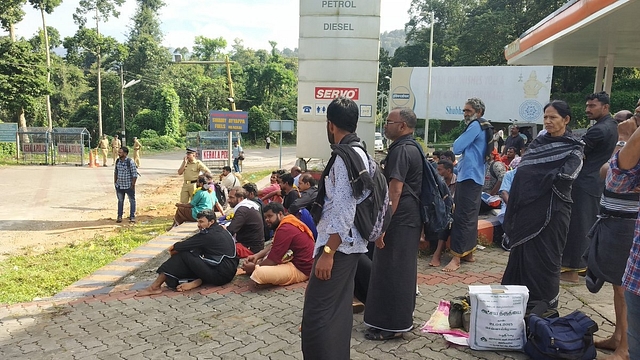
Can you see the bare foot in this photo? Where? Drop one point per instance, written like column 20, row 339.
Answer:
column 453, row 265
column 150, row 291
column 190, row 285
column 607, row 344
column 468, row 258
column 435, row 261
column 570, row 276
column 619, row 355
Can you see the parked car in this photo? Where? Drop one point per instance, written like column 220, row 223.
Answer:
column 378, row 144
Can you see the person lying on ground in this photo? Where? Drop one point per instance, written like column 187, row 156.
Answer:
column 208, row 257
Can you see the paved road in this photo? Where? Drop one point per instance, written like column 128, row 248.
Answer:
column 238, row 321
column 45, row 198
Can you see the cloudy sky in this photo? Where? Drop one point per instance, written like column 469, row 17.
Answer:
column 254, row 21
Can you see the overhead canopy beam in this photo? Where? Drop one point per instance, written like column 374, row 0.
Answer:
column 582, row 33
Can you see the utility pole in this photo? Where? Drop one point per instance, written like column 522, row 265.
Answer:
column 426, row 120
column 99, row 79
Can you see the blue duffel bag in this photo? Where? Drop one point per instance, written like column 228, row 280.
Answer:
column 569, row 337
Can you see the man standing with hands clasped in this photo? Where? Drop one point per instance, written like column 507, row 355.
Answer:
column 327, row 316
column 191, row 169
column 125, row 175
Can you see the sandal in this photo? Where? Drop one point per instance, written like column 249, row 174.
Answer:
column 381, row 335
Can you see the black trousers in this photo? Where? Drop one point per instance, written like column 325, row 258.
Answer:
column 327, row 317
column 188, row 266
column 464, row 230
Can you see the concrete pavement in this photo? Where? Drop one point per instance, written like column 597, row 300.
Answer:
column 240, row 321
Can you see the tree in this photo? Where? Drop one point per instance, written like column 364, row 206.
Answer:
column 208, row 49
column 147, row 57
column 103, row 10
column 46, row 6
column 167, row 104
column 11, row 13
column 23, row 78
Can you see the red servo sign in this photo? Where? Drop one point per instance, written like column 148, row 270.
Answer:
column 330, row 93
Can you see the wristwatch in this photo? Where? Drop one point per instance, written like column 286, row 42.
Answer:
column 328, row 251
column 621, row 143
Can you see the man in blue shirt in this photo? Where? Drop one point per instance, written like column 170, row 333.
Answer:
column 472, row 146
column 125, row 175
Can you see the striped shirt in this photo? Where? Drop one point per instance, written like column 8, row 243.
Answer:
column 623, row 181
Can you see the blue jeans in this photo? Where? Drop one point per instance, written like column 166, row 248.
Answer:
column 236, row 166
column 131, row 193
column 633, row 318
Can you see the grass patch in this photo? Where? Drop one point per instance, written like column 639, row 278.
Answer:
column 26, row 277
column 255, row 176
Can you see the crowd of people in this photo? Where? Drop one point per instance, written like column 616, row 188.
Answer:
column 568, row 205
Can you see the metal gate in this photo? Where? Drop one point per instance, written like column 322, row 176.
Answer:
column 70, row 145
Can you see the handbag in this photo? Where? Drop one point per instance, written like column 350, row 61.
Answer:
column 568, row 337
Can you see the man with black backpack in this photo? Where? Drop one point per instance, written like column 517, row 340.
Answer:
column 391, row 297
column 474, row 146
column 327, row 316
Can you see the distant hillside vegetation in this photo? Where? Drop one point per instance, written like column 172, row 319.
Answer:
column 391, row 40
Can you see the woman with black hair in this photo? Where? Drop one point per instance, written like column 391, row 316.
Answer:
column 537, row 218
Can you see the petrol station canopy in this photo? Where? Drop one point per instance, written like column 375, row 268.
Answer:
column 582, row 33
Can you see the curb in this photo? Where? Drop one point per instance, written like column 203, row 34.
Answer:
column 101, row 280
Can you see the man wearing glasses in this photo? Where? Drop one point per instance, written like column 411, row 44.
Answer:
column 471, row 170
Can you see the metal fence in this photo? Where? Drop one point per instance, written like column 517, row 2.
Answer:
column 38, row 145
column 70, row 145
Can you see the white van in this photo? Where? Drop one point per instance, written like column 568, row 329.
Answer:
column 378, row 144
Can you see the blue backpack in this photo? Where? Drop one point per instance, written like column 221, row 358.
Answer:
column 435, row 201
column 567, row 337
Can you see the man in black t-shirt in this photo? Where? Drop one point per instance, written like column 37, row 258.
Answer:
column 392, row 287
column 514, row 140
column 289, row 192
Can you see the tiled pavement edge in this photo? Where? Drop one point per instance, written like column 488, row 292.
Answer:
column 100, row 281
column 239, row 321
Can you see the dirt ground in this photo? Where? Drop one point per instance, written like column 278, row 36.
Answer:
column 159, row 198
column 44, row 207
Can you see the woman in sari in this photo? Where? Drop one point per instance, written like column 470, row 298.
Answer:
column 537, row 218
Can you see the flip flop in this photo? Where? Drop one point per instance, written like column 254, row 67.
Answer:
column 381, row 335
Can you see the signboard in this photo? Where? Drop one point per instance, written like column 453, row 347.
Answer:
column 509, row 92
column 34, row 148
column 214, row 155
column 70, row 148
column 281, row 125
column 338, row 51
column 8, row 132
column 237, row 121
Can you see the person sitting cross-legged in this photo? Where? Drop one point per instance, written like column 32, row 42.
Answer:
column 201, row 200
column 207, row 257
column 289, row 258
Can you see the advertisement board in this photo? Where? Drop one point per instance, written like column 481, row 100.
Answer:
column 509, row 92
column 237, row 121
column 339, row 45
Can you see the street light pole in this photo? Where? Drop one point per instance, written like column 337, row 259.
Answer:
column 122, row 87
column 122, row 128
column 426, row 120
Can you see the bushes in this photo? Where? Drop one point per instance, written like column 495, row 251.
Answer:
column 163, row 142
column 7, row 150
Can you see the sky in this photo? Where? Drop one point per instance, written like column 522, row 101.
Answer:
column 254, row 21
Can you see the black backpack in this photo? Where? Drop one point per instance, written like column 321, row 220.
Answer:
column 220, row 194
column 435, row 201
column 372, row 214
